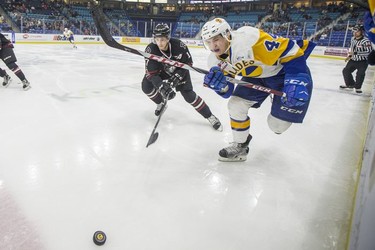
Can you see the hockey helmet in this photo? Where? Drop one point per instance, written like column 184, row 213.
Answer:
column 358, row 27
column 161, row 30
column 217, row 26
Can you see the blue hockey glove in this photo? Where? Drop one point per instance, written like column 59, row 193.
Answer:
column 166, row 90
column 216, row 80
column 369, row 25
column 295, row 88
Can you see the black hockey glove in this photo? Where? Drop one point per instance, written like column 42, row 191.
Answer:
column 176, row 80
column 166, row 90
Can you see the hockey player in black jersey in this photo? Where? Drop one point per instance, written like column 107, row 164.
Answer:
column 9, row 58
column 162, row 80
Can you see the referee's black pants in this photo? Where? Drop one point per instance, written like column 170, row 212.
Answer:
column 350, row 67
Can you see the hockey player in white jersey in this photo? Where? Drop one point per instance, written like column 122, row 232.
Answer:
column 263, row 59
column 68, row 34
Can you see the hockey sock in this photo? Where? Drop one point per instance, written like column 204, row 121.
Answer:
column 17, row 71
column 201, row 107
column 155, row 96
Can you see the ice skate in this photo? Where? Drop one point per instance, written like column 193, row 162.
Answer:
column 26, row 85
column 235, row 152
column 358, row 91
column 216, row 124
column 158, row 110
column 6, row 80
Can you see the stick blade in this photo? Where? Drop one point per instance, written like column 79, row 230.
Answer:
column 152, row 139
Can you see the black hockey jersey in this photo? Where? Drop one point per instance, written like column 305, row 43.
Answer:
column 4, row 42
column 177, row 51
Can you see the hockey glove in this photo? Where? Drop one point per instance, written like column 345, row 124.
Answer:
column 166, row 90
column 216, row 80
column 175, row 80
column 295, row 88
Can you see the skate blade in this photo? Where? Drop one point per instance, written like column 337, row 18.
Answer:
column 347, row 89
column 237, row 159
column 27, row 88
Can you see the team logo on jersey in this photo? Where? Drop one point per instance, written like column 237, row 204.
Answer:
column 244, row 68
column 182, row 45
column 178, row 56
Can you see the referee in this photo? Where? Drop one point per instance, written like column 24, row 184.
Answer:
column 360, row 48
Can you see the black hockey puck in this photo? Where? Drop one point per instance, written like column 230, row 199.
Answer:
column 99, row 238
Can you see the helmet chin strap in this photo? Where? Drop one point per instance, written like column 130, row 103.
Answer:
column 229, row 43
column 225, row 52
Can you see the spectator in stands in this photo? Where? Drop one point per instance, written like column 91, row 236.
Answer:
column 360, row 48
column 8, row 57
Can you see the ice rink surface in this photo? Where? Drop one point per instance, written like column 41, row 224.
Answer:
column 73, row 161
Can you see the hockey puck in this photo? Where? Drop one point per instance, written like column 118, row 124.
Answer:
column 99, row 238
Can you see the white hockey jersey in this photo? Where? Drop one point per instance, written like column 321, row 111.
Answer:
column 255, row 53
column 68, row 33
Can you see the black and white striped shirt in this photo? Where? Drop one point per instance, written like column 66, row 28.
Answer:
column 360, row 49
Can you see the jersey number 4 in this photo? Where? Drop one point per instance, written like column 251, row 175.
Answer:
column 271, row 45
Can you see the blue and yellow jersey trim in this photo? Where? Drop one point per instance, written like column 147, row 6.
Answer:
column 371, row 4
column 255, row 53
column 240, row 125
column 306, row 46
column 269, row 49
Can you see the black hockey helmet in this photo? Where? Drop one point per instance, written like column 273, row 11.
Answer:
column 358, row 27
column 161, row 30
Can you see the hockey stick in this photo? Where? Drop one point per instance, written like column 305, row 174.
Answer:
column 154, row 135
column 100, row 23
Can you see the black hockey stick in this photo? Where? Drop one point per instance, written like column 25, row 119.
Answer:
column 100, row 23
column 154, row 135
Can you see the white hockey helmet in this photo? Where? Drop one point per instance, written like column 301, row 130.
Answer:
column 217, row 26
column 66, row 29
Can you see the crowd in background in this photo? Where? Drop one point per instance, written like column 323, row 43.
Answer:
column 31, row 16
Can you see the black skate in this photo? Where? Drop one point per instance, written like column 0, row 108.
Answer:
column 236, row 152
column 216, row 124
column 26, row 85
column 6, row 80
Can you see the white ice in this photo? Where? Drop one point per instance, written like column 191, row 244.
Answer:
column 73, row 161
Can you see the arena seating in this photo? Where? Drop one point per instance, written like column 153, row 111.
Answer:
column 296, row 23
